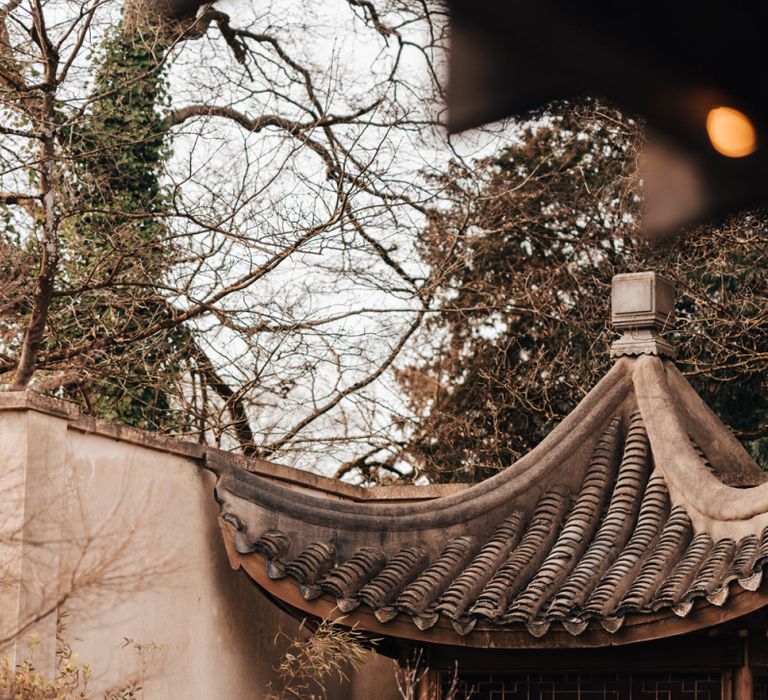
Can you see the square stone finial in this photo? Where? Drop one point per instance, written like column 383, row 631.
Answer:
column 642, row 306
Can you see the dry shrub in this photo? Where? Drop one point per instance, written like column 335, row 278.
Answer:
column 330, row 653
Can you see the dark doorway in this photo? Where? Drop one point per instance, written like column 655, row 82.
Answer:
column 579, row 685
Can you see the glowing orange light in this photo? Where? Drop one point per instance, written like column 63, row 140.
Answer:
column 731, row 132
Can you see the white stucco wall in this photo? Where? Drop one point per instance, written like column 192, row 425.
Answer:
column 124, row 536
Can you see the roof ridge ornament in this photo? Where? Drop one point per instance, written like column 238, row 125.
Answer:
column 642, row 308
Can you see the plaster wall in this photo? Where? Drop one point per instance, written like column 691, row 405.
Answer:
column 120, row 540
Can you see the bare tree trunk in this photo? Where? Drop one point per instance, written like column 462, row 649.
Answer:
column 33, row 337
column 232, row 400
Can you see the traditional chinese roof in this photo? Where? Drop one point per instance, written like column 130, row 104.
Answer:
column 639, row 516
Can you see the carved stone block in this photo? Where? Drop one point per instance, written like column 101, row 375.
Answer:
column 642, row 306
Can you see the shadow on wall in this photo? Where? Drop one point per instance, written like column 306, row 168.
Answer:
column 110, row 554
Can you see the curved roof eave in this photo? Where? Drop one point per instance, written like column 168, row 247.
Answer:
column 619, row 526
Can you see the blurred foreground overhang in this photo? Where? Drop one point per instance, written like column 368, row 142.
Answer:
column 676, row 65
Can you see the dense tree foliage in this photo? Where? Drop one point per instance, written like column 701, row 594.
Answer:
column 116, row 245
column 526, row 252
